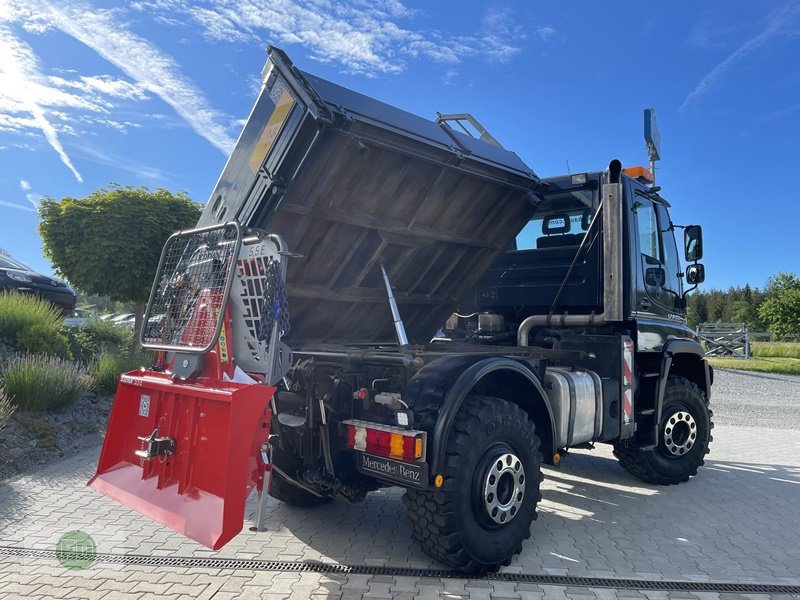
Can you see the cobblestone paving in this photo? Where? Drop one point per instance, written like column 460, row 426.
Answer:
column 736, row 522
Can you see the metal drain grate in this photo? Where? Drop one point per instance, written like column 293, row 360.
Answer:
column 337, row 569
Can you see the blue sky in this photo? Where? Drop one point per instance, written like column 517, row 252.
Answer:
column 154, row 92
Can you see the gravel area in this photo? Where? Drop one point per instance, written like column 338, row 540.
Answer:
column 30, row 440
column 756, row 399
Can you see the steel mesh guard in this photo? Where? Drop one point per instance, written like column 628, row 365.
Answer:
column 190, row 290
column 259, row 281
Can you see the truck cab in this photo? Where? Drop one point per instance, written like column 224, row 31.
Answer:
column 555, row 265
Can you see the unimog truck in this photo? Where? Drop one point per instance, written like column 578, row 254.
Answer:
column 372, row 299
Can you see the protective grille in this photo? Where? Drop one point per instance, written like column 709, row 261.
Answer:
column 190, row 289
column 258, row 283
column 339, row 569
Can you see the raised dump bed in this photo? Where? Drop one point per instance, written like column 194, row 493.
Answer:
column 349, row 181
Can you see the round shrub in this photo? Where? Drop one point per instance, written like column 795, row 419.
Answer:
column 44, row 383
column 108, row 367
column 43, row 338
column 97, row 336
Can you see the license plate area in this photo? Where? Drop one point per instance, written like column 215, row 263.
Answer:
column 413, row 475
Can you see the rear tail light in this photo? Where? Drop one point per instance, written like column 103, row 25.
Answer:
column 384, row 440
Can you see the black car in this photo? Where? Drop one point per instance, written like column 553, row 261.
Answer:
column 18, row 277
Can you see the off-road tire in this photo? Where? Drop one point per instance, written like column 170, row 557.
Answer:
column 283, row 490
column 659, row 465
column 452, row 523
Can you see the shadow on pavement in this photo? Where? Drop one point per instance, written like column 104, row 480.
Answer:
column 597, row 520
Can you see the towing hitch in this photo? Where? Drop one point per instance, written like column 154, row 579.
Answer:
column 153, row 446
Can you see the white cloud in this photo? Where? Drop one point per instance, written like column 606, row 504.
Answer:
column 364, row 36
column 102, row 84
column 34, row 198
column 779, row 113
column 31, row 196
column 20, row 84
column 108, row 159
column 782, row 22
column 140, row 60
column 17, row 206
column 545, row 32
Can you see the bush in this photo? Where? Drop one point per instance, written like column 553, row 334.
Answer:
column 6, row 408
column 96, row 337
column 43, row 383
column 43, row 338
column 18, row 311
column 109, row 367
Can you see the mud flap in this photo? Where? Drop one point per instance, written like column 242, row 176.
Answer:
column 198, row 450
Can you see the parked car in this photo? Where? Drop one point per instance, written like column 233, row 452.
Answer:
column 79, row 317
column 18, row 277
column 124, row 320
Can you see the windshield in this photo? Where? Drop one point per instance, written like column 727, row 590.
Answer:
column 6, row 262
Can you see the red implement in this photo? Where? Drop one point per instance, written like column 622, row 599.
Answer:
column 195, row 473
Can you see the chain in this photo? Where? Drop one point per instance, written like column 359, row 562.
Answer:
column 275, row 308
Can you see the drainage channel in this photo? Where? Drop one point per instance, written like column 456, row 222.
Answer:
column 344, row 570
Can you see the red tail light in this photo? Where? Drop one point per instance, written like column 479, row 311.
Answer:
column 385, row 440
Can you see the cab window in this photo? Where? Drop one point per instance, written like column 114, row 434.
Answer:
column 562, row 221
column 659, row 254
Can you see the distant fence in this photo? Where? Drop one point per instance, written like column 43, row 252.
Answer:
column 729, row 339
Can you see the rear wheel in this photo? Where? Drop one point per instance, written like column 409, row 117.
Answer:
column 482, row 513
column 684, row 434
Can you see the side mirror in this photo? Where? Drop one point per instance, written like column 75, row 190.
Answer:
column 695, row 274
column 692, row 243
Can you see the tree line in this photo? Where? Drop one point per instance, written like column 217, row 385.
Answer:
column 776, row 308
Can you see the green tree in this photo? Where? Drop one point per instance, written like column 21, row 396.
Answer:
column 781, row 309
column 696, row 309
column 110, row 242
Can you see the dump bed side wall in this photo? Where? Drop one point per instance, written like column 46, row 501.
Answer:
column 349, row 181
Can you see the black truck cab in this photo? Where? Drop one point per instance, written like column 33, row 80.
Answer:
column 555, row 264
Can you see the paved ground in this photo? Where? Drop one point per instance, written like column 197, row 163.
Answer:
column 735, row 522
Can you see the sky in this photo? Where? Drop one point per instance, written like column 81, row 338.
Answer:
column 155, row 92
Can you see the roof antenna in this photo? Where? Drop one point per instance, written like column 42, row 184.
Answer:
column 568, row 171
column 652, row 140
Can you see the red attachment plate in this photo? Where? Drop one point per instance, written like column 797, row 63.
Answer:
column 218, row 428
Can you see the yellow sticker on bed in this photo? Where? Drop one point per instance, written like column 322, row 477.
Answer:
column 276, row 120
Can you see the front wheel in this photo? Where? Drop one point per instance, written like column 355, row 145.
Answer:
column 684, row 434
column 477, row 520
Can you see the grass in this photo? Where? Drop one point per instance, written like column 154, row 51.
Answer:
column 6, row 408
column 787, row 366
column 20, row 311
column 44, row 383
column 775, row 350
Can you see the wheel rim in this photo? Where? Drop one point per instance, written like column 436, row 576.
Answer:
column 504, row 488
column 680, row 433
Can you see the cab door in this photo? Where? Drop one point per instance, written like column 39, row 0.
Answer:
column 658, row 270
